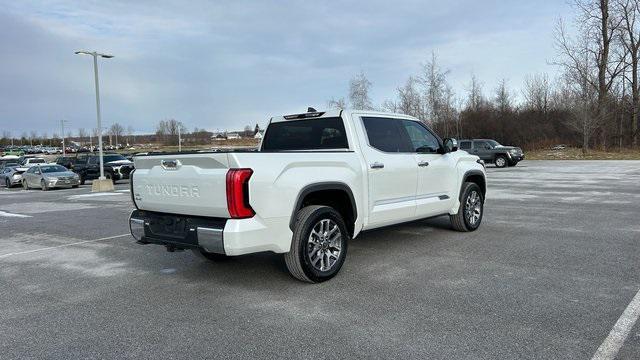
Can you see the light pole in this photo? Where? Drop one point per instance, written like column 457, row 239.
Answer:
column 64, row 149
column 95, row 72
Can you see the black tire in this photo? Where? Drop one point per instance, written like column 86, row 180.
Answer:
column 109, row 176
column 7, row 183
column 82, row 179
column 462, row 221
column 298, row 259
column 209, row 256
column 501, row 161
column 74, row 186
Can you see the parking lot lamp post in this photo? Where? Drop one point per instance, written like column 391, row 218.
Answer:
column 64, row 150
column 95, row 72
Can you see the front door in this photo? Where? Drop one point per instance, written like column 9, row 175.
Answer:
column 482, row 149
column 437, row 175
column 392, row 172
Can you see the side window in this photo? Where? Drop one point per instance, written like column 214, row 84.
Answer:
column 481, row 145
column 93, row 160
column 31, row 170
column 422, row 140
column 384, row 134
column 465, row 145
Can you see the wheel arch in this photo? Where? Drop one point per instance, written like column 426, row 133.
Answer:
column 338, row 195
column 477, row 177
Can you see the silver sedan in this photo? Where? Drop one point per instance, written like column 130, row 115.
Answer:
column 47, row 176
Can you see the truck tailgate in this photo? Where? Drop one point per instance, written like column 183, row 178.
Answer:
column 189, row 184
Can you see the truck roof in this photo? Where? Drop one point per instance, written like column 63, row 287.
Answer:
column 335, row 113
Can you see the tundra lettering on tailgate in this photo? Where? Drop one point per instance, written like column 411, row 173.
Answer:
column 189, row 191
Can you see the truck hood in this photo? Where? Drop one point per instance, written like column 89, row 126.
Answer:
column 119, row 162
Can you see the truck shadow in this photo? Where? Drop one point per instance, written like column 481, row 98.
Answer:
column 268, row 270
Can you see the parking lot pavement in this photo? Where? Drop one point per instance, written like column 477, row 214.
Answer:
column 554, row 266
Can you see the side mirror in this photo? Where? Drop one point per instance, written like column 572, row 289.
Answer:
column 450, row 145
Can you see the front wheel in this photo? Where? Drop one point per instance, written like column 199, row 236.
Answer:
column 7, row 183
column 501, row 161
column 471, row 208
column 319, row 244
column 43, row 185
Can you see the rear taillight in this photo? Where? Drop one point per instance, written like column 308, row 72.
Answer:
column 238, row 193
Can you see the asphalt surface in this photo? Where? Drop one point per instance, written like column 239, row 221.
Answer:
column 552, row 268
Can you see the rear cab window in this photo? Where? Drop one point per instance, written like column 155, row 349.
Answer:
column 465, row 145
column 308, row 134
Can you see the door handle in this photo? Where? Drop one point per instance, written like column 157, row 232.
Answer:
column 423, row 163
column 377, row 165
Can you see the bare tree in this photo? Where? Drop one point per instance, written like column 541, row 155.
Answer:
column 339, row 103
column 167, row 131
column 434, row 83
column 629, row 11
column 116, row 130
column 82, row 135
column 537, row 93
column 588, row 58
column 503, row 100
column 409, row 99
column 359, row 87
column 475, row 98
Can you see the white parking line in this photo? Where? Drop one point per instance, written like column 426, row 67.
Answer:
column 65, row 245
column 612, row 344
column 7, row 214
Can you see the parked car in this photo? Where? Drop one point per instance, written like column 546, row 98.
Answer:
column 11, row 175
column 492, row 152
column 31, row 161
column 66, row 161
column 116, row 167
column 9, row 160
column 49, row 176
column 317, row 181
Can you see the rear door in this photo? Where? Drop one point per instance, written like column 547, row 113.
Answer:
column 392, row 172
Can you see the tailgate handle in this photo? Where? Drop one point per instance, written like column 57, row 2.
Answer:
column 170, row 164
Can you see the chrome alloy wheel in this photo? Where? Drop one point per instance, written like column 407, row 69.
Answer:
column 473, row 208
column 324, row 245
column 501, row 162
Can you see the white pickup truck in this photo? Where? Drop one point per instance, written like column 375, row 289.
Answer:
column 317, row 180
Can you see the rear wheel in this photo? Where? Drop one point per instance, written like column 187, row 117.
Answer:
column 471, row 208
column 319, row 244
column 501, row 161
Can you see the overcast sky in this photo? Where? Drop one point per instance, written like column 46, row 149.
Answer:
column 227, row 64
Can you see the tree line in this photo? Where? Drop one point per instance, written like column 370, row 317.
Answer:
column 593, row 102
column 114, row 134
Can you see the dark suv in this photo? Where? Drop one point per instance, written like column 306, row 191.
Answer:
column 116, row 167
column 492, row 152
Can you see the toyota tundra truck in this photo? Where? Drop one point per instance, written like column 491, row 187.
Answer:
column 317, row 180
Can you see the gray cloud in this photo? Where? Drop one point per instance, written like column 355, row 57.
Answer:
column 224, row 65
